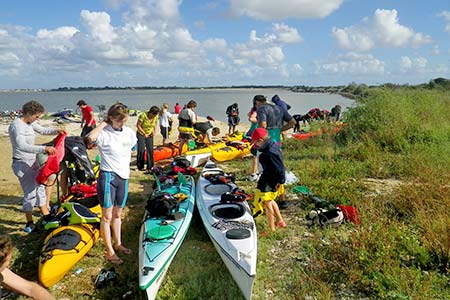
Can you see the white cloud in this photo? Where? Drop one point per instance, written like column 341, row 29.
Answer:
column 286, row 34
column 351, row 64
column 446, row 15
column 405, row 62
column 150, row 38
column 383, row 29
column 282, row 9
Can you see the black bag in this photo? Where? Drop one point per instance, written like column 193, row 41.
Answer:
column 181, row 162
column 161, row 205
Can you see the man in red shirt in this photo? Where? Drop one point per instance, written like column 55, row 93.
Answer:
column 88, row 118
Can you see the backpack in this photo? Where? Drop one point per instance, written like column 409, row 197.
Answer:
column 325, row 217
column 162, row 205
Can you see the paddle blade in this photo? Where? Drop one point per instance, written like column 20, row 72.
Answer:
column 181, row 179
column 158, row 183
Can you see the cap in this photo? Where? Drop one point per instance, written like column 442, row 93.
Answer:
column 81, row 102
column 210, row 118
column 259, row 133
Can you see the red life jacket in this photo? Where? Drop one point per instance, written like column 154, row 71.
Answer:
column 53, row 161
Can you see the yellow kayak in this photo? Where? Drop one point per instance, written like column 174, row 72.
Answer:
column 64, row 247
column 231, row 151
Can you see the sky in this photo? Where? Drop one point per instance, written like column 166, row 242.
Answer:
column 73, row 43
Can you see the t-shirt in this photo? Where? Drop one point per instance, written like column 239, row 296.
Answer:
column 274, row 116
column 22, row 137
column 186, row 117
column 87, row 116
column 147, row 124
column 164, row 119
column 115, row 150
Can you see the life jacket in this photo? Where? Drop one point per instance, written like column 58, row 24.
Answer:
column 52, row 165
column 72, row 213
column 184, row 119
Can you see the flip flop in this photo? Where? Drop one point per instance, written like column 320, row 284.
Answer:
column 115, row 260
column 124, row 250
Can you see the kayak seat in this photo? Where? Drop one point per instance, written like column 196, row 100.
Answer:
column 218, row 189
column 227, row 211
column 161, row 233
column 238, row 234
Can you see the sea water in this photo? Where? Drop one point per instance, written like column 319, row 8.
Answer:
column 210, row 102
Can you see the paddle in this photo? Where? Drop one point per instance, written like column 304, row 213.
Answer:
column 304, row 190
column 181, row 179
column 158, row 183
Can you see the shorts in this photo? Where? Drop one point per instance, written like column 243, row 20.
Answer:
column 261, row 197
column 33, row 193
column 112, row 190
column 233, row 120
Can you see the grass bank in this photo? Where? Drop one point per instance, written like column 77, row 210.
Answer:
column 391, row 161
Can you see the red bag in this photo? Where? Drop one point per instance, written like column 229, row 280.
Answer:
column 350, row 213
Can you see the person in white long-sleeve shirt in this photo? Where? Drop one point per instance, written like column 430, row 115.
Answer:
column 22, row 133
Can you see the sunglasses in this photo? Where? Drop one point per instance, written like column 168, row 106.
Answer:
column 121, row 107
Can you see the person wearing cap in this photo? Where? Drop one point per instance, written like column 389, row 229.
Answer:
column 271, row 181
column 276, row 120
column 87, row 119
column 22, row 134
column 207, row 131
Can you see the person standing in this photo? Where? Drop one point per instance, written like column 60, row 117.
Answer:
column 275, row 120
column 177, row 108
column 88, row 117
column 22, row 136
column 252, row 118
column 165, row 122
column 186, row 121
column 233, row 117
column 335, row 114
column 271, row 180
column 146, row 125
column 14, row 282
column 114, row 141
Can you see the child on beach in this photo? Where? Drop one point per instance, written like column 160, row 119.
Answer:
column 114, row 141
column 270, row 183
column 22, row 135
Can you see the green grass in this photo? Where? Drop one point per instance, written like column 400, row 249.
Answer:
column 391, row 161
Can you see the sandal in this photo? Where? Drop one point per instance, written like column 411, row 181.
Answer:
column 282, row 224
column 115, row 260
column 123, row 250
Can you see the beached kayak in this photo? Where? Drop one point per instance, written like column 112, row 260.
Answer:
column 230, row 226
column 64, row 247
column 161, row 236
column 231, row 151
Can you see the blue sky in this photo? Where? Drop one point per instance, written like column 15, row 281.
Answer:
column 51, row 43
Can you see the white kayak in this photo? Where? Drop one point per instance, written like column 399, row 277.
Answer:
column 160, row 238
column 231, row 228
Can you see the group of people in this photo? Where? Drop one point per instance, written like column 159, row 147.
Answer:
column 318, row 114
column 115, row 141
